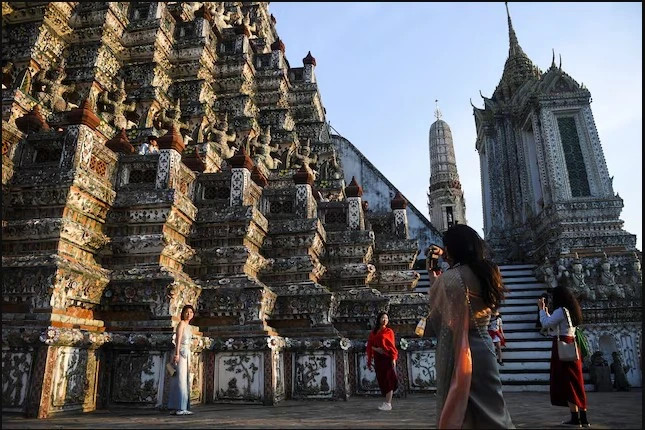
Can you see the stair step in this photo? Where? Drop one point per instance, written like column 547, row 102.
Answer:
column 520, row 301
column 533, row 294
column 541, row 354
column 526, row 308
column 524, row 335
column 513, row 344
column 517, row 266
column 525, row 366
column 509, row 317
column 513, row 273
column 530, row 326
column 524, row 286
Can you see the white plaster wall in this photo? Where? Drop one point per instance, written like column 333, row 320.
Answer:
column 379, row 192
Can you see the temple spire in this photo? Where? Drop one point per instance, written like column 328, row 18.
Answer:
column 437, row 112
column 514, row 46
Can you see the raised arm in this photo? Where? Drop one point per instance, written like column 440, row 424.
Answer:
column 553, row 320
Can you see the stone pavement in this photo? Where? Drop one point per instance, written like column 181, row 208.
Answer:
column 529, row 410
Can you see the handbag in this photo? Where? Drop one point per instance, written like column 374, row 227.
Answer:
column 567, row 351
column 171, row 369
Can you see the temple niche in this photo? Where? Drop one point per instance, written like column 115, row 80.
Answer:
column 157, row 154
column 548, row 199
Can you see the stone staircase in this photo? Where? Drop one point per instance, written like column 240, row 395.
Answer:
column 527, row 353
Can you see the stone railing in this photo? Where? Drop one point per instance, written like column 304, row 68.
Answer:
column 612, row 311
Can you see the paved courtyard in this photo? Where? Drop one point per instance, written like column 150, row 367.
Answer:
column 529, row 410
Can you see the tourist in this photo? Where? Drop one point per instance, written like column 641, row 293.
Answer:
column 151, row 147
column 469, row 389
column 496, row 332
column 179, row 398
column 567, row 383
column 381, row 350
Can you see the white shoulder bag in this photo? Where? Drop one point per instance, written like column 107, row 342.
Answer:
column 567, row 351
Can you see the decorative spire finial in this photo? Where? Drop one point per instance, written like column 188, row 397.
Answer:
column 437, row 112
column 560, row 67
column 514, row 46
column 553, row 58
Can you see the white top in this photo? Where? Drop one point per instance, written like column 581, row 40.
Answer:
column 495, row 324
column 557, row 319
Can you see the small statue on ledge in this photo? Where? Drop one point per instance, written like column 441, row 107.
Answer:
column 219, row 135
column 50, row 91
column 117, row 118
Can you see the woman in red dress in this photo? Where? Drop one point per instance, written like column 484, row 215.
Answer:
column 567, row 382
column 381, row 350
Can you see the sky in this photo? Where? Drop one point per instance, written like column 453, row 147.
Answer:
column 380, row 67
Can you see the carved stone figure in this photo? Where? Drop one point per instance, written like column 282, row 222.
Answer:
column 303, row 157
column 263, row 150
column 165, row 121
column 546, row 274
column 637, row 277
column 119, row 108
column 578, row 285
column 224, row 141
column 50, row 91
column 330, row 168
column 617, row 368
column 608, row 287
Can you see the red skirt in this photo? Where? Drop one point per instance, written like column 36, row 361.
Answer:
column 567, row 383
column 385, row 373
column 494, row 333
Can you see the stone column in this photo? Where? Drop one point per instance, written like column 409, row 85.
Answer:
column 355, row 216
column 305, row 203
column 241, row 166
column 171, row 145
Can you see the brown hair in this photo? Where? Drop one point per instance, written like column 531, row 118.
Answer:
column 465, row 246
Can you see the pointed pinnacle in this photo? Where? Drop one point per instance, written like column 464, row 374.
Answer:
column 514, row 46
column 553, row 58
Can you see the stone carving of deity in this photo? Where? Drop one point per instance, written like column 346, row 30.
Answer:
column 119, row 108
column 172, row 118
column 608, row 287
column 263, row 151
column 330, row 168
column 303, row 157
column 220, row 136
column 545, row 274
column 578, row 285
column 50, row 91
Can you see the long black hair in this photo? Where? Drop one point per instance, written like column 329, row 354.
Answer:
column 564, row 298
column 184, row 311
column 377, row 324
column 465, row 246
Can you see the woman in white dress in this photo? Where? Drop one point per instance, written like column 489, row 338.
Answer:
column 179, row 398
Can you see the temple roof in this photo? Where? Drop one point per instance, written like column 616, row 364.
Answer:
column 518, row 67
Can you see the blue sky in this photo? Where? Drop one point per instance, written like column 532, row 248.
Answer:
column 380, row 66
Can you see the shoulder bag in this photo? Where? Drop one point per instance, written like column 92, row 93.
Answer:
column 567, row 351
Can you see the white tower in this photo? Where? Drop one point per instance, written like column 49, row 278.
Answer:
column 446, row 203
